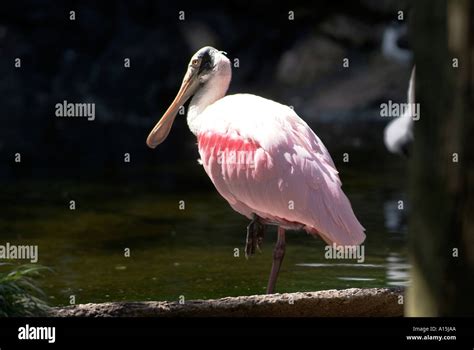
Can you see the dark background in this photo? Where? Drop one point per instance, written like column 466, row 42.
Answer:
column 297, row 63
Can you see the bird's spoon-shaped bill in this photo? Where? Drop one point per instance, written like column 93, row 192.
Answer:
column 163, row 127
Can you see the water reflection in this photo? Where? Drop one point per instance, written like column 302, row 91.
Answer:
column 395, row 215
column 397, row 270
column 340, row 265
column 356, row 279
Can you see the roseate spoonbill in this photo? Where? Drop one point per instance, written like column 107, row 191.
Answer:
column 398, row 134
column 262, row 158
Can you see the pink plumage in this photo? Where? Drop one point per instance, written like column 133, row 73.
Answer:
column 272, row 164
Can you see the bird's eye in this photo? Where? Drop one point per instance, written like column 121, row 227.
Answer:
column 195, row 62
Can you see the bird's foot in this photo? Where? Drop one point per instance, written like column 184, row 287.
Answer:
column 255, row 234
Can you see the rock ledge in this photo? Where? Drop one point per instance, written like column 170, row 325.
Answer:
column 328, row 303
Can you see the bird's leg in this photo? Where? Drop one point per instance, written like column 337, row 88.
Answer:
column 250, row 241
column 255, row 233
column 278, row 254
column 260, row 235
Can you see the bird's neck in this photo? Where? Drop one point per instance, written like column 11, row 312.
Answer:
column 213, row 90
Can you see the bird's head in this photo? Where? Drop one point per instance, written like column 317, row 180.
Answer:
column 205, row 64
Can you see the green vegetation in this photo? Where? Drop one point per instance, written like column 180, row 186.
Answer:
column 19, row 294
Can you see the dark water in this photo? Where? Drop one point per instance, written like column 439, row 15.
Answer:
column 190, row 252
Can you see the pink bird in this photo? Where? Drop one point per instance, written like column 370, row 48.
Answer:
column 262, row 158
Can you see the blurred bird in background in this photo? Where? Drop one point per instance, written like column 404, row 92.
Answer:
column 398, row 134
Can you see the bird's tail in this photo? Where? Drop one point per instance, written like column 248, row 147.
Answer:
column 336, row 222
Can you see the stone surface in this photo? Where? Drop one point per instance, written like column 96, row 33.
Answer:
column 329, row 303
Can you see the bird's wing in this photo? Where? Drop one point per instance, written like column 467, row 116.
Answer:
column 398, row 134
column 264, row 159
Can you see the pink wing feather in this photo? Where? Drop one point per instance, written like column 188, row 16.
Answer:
column 284, row 173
